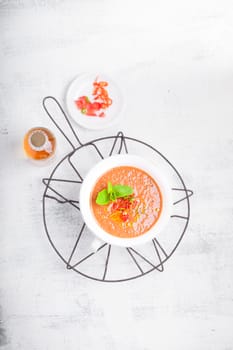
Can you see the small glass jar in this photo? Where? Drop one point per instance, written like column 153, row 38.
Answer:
column 39, row 144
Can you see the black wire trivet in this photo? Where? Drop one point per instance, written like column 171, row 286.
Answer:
column 68, row 234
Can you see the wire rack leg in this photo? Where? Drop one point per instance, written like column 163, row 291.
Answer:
column 68, row 266
column 107, row 261
column 64, row 199
column 120, row 136
column 188, row 194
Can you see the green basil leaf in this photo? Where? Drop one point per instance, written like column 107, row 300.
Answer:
column 111, row 193
column 103, row 197
column 112, row 196
column 109, row 187
column 122, row 190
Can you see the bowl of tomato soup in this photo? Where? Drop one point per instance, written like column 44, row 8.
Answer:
column 125, row 200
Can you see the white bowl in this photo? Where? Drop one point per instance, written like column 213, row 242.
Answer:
column 101, row 168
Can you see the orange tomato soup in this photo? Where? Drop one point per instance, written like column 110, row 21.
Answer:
column 133, row 215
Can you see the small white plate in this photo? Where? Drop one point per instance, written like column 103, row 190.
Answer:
column 83, row 86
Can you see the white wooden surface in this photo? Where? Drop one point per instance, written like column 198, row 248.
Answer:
column 174, row 62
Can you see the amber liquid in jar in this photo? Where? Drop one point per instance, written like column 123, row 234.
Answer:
column 39, row 143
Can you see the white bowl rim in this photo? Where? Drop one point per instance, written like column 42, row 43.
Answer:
column 124, row 160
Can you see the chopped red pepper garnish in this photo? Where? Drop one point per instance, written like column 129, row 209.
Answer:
column 124, row 216
column 101, row 100
column 124, row 210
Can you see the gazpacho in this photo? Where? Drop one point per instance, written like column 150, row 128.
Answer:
column 126, row 201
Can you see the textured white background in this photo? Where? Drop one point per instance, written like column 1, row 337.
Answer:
column 174, row 60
